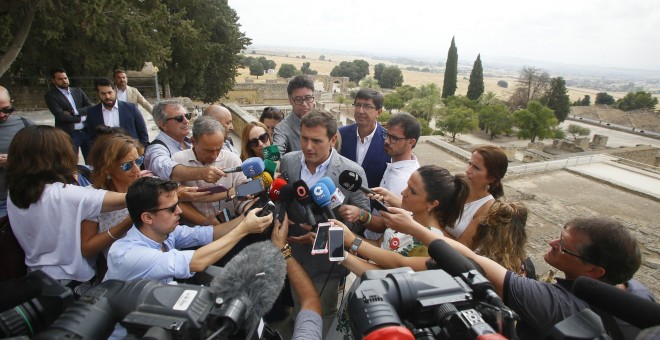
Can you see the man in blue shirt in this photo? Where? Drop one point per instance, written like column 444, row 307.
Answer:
column 150, row 250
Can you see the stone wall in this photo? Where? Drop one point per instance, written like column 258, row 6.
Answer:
column 239, row 117
column 273, row 92
column 645, row 154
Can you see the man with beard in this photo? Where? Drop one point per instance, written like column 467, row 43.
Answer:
column 127, row 93
column 115, row 113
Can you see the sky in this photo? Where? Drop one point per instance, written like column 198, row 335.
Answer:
column 610, row 33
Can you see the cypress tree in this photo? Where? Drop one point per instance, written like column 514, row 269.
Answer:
column 451, row 71
column 557, row 98
column 476, row 87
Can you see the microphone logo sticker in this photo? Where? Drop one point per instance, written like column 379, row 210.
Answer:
column 318, row 192
column 301, row 191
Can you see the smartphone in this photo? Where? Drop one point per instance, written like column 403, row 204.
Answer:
column 214, row 190
column 378, row 205
column 252, row 187
column 267, row 209
column 336, row 243
column 320, row 245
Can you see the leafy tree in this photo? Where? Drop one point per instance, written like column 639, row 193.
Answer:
column 536, row 121
column 428, row 90
column 496, row 119
column 577, row 131
column 345, row 69
column 557, row 98
column 370, row 83
column 342, row 100
column 586, row 101
column 425, row 108
column 391, row 77
column 461, row 101
column 426, row 128
column 321, row 57
column 267, row 64
column 602, row 98
column 458, row 120
column 287, row 71
column 476, row 87
column 502, row 83
column 362, row 68
column 406, row 92
column 393, row 101
column 637, row 100
column 384, row 117
column 488, row 98
column 451, row 71
column 256, row 69
column 306, row 70
column 532, row 84
column 378, row 70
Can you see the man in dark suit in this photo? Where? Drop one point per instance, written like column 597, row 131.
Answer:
column 318, row 158
column 362, row 142
column 69, row 106
column 112, row 112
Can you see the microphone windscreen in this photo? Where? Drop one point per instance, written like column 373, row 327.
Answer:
column 321, row 194
column 270, row 167
column 301, row 191
column 448, row 259
column 286, row 193
column 255, row 276
column 252, row 166
column 328, row 183
column 265, row 178
column 271, row 153
column 274, row 193
column 350, row 180
column 635, row 310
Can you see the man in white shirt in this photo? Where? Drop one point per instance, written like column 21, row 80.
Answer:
column 127, row 93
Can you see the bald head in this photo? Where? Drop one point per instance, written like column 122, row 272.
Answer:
column 4, row 94
column 221, row 114
column 5, row 103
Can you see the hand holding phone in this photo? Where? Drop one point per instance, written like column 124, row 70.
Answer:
column 320, row 245
column 214, row 190
column 336, row 243
column 252, row 187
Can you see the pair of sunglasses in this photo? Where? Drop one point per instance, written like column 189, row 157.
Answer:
column 171, row 208
column 129, row 165
column 179, row 118
column 254, row 142
column 7, row 110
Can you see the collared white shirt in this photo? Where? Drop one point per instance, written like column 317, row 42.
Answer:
column 362, row 148
column 69, row 96
column 111, row 117
column 122, row 95
column 307, row 176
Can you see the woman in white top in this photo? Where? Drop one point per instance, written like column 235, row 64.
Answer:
column 45, row 210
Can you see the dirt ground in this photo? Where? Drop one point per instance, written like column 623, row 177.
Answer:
column 555, row 197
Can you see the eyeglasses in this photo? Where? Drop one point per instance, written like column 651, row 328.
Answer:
column 129, row 165
column 300, row 100
column 393, row 139
column 254, row 142
column 7, row 110
column 566, row 251
column 364, row 106
column 179, row 118
column 171, row 208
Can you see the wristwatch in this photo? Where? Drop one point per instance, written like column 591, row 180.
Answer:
column 356, row 245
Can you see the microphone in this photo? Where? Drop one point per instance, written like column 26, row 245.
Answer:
column 271, row 153
column 321, row 196
column 265, row 178
column 286, row 195
column 631, row 308
column 336, row 196
column 274, row 193
column 301, row 191
column 270, row 167
column 455, row 264
column 250, row 168
column 252, row 281
column 351, row 181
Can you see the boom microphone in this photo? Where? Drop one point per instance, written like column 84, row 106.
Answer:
column 286, row 195
column 635, row 310
column 252, row 280
column 250, row 168
column 336, row 196
column 301, row 191
column 351, row 181
column 265, row 178
column 321, row 196
column 274, row 193
column 270, row 167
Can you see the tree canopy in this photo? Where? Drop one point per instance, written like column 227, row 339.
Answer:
column 536, row 121
column 577, row 131
column 378, row 70
column 355, row 70
column 637, row 100
column 602, row 98
column 458, row 120
column 391, row 77
column 476, row 86
column 256, row 69
column 287, row 71
column 557, row 98
column 496, row 119
column 304, row 69
column 451, row 71
column 532, row 84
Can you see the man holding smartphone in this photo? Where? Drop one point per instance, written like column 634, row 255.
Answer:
column 318, row 158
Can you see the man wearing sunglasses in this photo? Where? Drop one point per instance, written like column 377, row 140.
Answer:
column 596, row 247
column 9, row 126
column 115, row 113
column 301, row 98
column 172, row 120
column 362, row 141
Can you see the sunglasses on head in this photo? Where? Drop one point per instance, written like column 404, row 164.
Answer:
column 7, row 110
column 254, row 142
column 179, row 118
column 129, row 165
column 171, row 208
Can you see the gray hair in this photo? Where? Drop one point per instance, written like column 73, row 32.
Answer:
column 206, row 125
column 159, row 109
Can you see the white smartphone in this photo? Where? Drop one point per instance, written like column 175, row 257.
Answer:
column 320, row 245
column 336, row 243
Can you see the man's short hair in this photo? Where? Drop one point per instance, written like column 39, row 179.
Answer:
column 102, row 82
column 206, row 125
column 118, row 71
column 298, row 83
column 55, row 70
column 611, row 246
column 411, row 127
column 143, row 196
column 372, row 94
column 159, row 109
column 320, row 118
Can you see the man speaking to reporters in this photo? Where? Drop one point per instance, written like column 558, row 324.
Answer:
column 318, row 158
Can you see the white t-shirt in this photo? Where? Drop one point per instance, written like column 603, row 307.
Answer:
column 469, row 210
column 49, row 230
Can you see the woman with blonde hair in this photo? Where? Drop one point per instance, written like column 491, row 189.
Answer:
column 254, row 139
